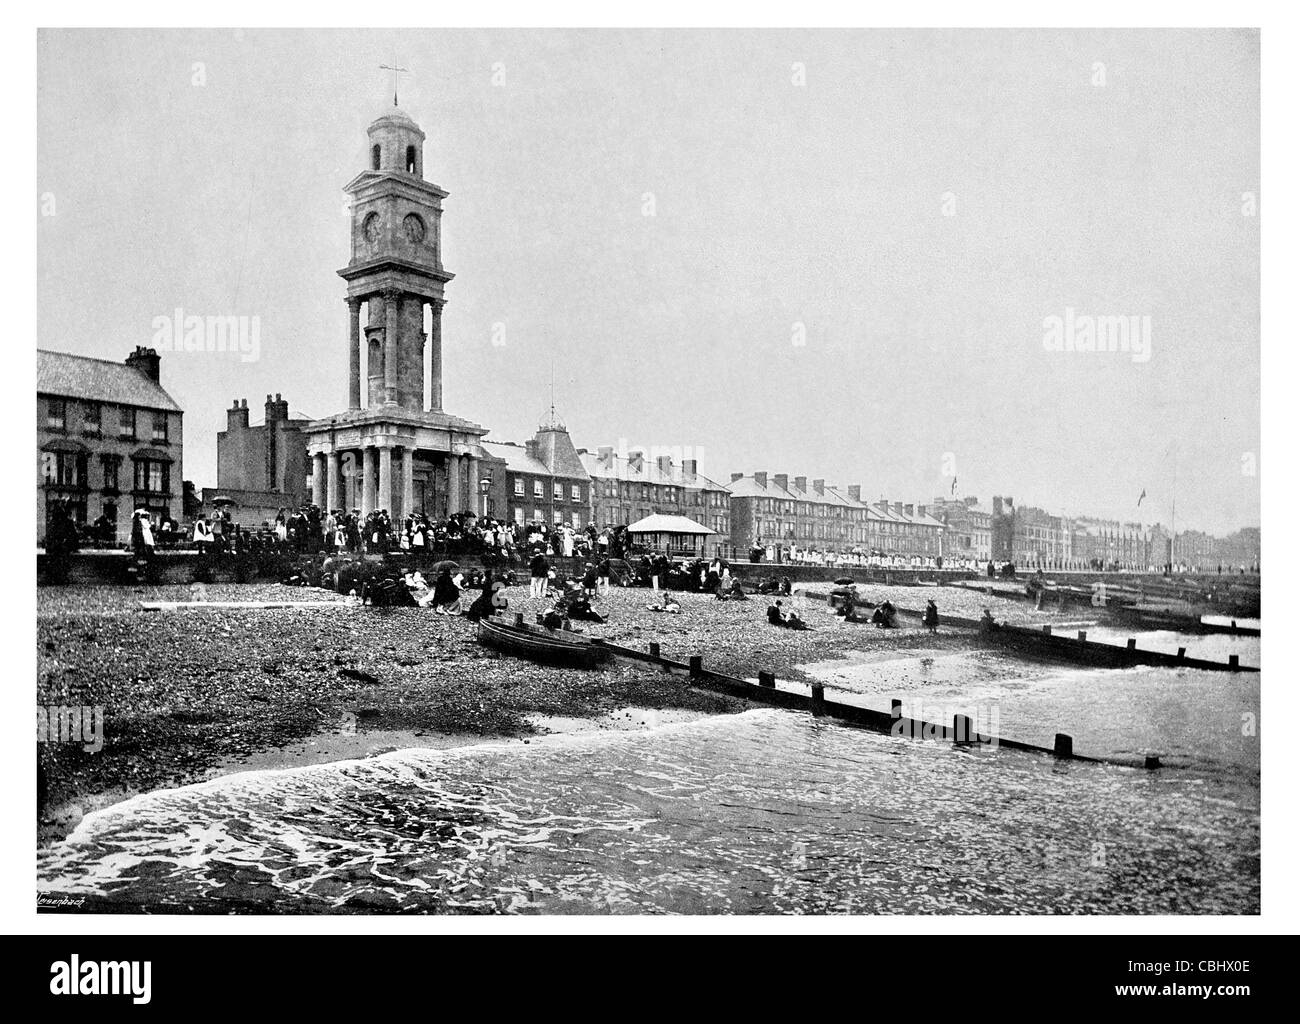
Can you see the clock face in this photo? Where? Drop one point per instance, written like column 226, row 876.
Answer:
column 414, row 227
column 370, row 228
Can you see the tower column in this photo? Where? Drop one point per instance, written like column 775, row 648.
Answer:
column 476, row 503
column 354, row 353
column 435, row 357
column 391, row 308
column 332, row 497
column 318, row 479
column 368, row 462
column 454, row 503
column 408, row 481
column 386, row 479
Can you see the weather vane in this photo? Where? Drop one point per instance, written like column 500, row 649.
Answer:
column 396, row 71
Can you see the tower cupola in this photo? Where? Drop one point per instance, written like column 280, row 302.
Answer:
column 396, row 143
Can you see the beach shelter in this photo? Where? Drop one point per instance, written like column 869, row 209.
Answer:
column 674, row 535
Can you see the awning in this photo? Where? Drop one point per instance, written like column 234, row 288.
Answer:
column 668, row 524
column 63, row 444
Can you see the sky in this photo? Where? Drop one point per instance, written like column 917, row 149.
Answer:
column 833, row 254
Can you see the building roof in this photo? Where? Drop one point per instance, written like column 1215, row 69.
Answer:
column 646, row 471
column 555, row 449
column 667, row 524
column 98, row 380
column 516, row 457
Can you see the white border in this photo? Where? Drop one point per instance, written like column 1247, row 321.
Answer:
column 1279, row 87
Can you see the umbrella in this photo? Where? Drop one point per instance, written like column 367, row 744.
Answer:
column 447, row 564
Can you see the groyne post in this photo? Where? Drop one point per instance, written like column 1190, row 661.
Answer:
column 818, row 700
column 697, row 666
column 767, row 679
column 1063, row 746
column 961, row 730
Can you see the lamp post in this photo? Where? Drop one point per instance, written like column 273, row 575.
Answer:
column 484, row 486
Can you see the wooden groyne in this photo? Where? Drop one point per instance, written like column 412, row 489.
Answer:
column 960, row 731
column 1042, row 641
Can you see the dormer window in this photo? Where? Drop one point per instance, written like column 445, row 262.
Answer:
column 374, row 157
column 410, row 159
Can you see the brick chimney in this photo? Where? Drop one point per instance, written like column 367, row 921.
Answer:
column 534, row 448
column 920, row 510
column 782, row 481
column 737, row 476
column 605, row 453
column 819, row 486
column 910, row 510
column 636, row 460
column 237, row 416
column 801, row 483
column 760, row 478
column 855, row 492
column 664, row 463
column 690, row 468
column 898, row 508
column 147, row 361
column 277, row 409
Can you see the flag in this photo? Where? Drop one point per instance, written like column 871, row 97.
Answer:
column 1141, row 496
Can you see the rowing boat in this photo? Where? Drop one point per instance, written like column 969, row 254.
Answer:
column 537, row 643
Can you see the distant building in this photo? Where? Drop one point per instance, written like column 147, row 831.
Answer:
column 629, row 487
column 1112, row 544
column 264, row 468
column 108, row 439
column 968, row 528
column 775, row 510
column 542, row 479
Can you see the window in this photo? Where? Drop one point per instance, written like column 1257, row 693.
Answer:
column 56, row 413
column 111, row 465
column 94, row 417
column 410, row 159
column 63, row 469
column 519, row 510
column 160, row 427
column 126, row 423
column 557, row 491
column 645, row 492
column 537, row 489
column 576, row 493
column 577, row 520
column 374, row 157
column 559, row 518
column 519, row 487
column 151, row 475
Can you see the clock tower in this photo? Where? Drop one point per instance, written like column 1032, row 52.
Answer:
column 395, row 269
column 395, row 448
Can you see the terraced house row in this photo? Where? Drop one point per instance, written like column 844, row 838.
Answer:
column 777, row 510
